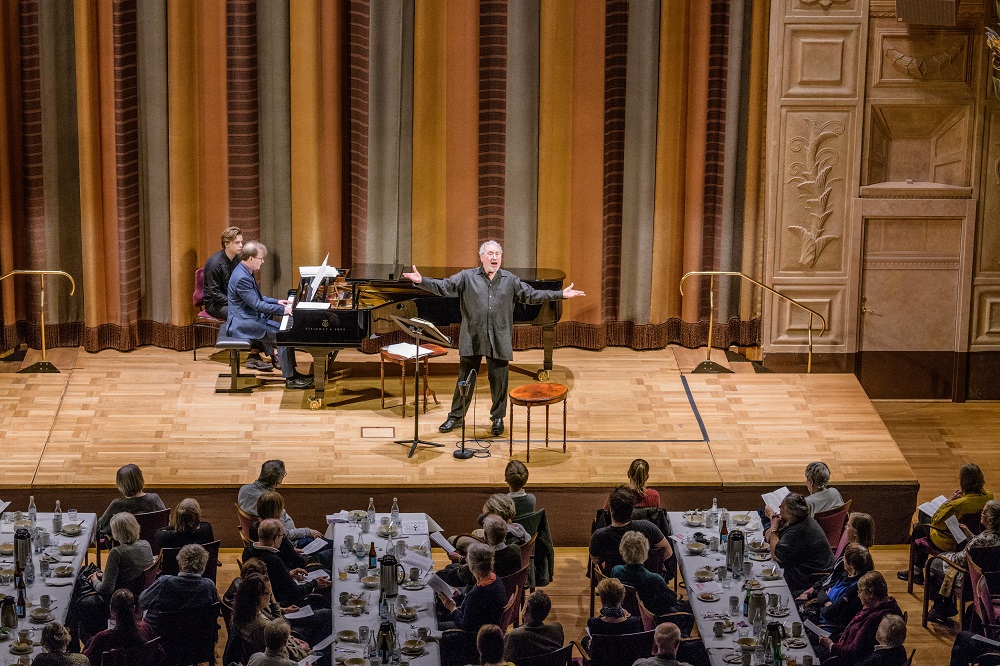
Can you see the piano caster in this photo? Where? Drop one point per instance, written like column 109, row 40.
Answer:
column 315, row 404
column 542, row 375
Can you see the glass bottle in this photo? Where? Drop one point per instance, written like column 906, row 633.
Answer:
column 394, row 514
column 57, row 519
column 371, row 511
column 372, row 557
column 32, row 511
column 723, row 530
column 29, row 570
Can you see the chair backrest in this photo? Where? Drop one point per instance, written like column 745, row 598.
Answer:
column 909, row 660
column 528, row 550
column 246, row 522
column 692, row 651
column 189, row 636
column 198, row 297
column 611, row 650
column 509, row 611
column 648, row 619
column 844, row 540
column 145, row 579
column 974, row 521
column 984, row 603
column 981, row 561
column 833, row 521
column 560, row 657
column 145, row 655
column 530, row 521
column 151, row 521
column 515, row 582
column 458, row 648
column 631, row 601
column 169, row 567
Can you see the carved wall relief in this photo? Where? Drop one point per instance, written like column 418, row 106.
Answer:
column 813, row 176
column 924, row 56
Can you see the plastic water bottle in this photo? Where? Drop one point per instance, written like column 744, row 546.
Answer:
column 57, row 519
column 371, row 510
column 394, row 514
column 32, row 511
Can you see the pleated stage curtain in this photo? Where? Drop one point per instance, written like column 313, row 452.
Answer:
column 620, row 141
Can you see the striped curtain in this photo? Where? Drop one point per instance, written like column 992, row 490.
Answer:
column 618, row 141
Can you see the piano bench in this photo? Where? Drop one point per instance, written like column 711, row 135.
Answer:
column 235, row 346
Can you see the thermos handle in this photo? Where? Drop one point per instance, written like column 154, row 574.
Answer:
column 401, row 576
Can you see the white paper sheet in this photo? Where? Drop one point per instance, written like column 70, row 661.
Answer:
column 811, row 626
column 931, row 507
column 439, row 539
column 324, row 643
column 316, row 573
column 438, row 585
column 955, row 528
column 773, row 499
column 314, row 546
column 412, row 559
column 304, row 611
column 3, row 506
column 309, row 660
column 414, row 527
column 406, row 350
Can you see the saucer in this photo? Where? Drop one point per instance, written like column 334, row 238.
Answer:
column 412, row 587
column 760, row 557
column 778, row 612
column 21, row 648
column 708, row 596
column 732, row 658
column 794, row 643
column 44, row 619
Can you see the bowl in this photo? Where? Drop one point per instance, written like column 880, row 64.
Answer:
column 22, row 523
column 406, row 611
column 72, row 528
column 355, row 661
column 414, row 646
column 64, row 571
column 741, row 519
column 747, row 643
column 6, row 548
column 356, row 602
column 758, row 545
column 771, row 573
column 347, row 635
column 39, row 613
column 67, row 549
column 371, row 581
column 704, row 574
column 695, row 547
column 694, row 519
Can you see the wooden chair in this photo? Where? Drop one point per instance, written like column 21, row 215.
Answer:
column 692, row 651
column 561, row 657
column 189, row 636
column 610, row 650
column 509, row 612
column 514, row 584
column 143, row 654
column 245, row 524
column 920, row 542
column 988, row 659
column 458, row 648
column 987, row 558
column 834, row 521
column 146, row 578
column 149, row 523
column 530, row 521
column 684, row 621
column 168, row 561
column 227, row 615
column 909, row 660
column 631, row 601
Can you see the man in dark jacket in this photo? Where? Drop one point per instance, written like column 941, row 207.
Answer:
column 799, row 544
column 285, row 585
column 534, row 637
column 487, row 295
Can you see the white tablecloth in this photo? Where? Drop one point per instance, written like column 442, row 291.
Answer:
column 719, row 647
column 423, row 599
column 60, row 594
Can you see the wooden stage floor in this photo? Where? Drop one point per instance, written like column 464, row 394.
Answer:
column 731, row 436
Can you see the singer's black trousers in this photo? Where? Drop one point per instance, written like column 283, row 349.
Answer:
column 496, row 370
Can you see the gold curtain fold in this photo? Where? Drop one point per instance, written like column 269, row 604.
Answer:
column 10, row 151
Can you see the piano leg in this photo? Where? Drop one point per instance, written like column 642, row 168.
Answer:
column 548, row 344
column 321, row 360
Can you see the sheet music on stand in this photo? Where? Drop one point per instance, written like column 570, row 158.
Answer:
column 407, row 350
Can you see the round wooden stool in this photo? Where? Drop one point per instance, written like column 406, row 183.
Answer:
column 537, row 395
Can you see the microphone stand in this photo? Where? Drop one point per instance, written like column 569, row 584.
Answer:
column 463, row 389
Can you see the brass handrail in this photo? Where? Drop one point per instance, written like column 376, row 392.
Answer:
column 711, row 305
column 43, row 365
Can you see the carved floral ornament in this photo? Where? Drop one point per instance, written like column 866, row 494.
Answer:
column 812, row 177
column 920, row 67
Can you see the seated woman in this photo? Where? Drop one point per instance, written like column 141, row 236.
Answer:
column 613, row 619
column 970, row 498
column 133, row 500
column 821, row 497
column 270, row 504
column 798, row 543
column 276, row 636
column 891, row 635
column 246, row 636
column 55, row 640
column 860, row 530
column 638, row 475
column 836, row 601
column 943, row 596
column 506, row 556
column 652, row 589
column 186, row 527
column 489, row 643
column 857, row 641
column 485, row 601
column 125, row 563
column 499, row 504
column 129, row 632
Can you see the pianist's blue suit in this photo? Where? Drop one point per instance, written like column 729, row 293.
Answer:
column 250, row 315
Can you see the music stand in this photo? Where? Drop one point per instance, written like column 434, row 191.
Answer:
column 420, row 329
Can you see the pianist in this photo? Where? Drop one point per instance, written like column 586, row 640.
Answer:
column 250, row 312
column 487, row 295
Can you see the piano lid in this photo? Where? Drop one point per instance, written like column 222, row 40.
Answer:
column 380, row 273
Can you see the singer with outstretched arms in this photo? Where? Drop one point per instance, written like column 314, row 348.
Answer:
column 487, row 295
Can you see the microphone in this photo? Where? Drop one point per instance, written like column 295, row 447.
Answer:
column 463, row 390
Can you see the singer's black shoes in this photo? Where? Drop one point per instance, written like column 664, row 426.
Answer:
column 497, row 427
column 450, row 425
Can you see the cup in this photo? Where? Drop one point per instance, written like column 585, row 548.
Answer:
column 791, row 661
column 747, row 657
column 45, row 601
column 423, row 633
column 796, row 629
column 362, row 571
column 772, row 601
column 724, row 578
column 344, row 598
column 713, row 544
column 400, row 549
column 342, row 573
column 349, row 541
column 807, row 660
column 747, row 569
column 363, row 632
column 24, row 636
column 365, row 526
column 403, row 599
column 718, row 628
column 383, row 521
column 414, row 574
column 734, row 605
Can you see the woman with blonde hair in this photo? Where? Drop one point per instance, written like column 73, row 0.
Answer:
column 638, row 476
column 55, row 640
column 613, row 619
column 134, row 498
column 186, row 527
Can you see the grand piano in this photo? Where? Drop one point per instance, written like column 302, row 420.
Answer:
column 362, row 301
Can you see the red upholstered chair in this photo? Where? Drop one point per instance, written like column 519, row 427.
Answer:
column 980, row 559
column 920, row 541
column 514, row 584
column 834, row 521
column 202, row 319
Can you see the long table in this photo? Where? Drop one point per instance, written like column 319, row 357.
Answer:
column 422, row 599
column 704, row 611
column 59, row 589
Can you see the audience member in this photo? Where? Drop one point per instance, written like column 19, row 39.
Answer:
column 506, row 556
column 605, row 541
column 252, row 565
column 653, row 591
column 272, row 472
column 944, row 600
column 970, row 498
column 857, row 641
column 891, row 635
column 55, row 640
column 534, row 637
column 613, row 619
column 276, row 636
column 125, row 563
column 485, row 601
column 133, row 500
column 638, row 474
column 489, row 643
column 860, row 529
column 836, row 600
column 185, row 591
column 128, row 633
column 186, row 526
column 666, row 640
column 271, row 505
column 798, row 543
column 246, row 635
column 821, row 497
column 289, row 585
column 516, row 476
column 498, row 504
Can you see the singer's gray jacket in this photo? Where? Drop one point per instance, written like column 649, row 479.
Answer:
column 487, row 308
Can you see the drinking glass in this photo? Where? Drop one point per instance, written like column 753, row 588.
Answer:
column 724, row 578
column 363, row 634
column 71, row 514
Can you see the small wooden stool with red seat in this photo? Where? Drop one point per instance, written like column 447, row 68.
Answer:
column 537, row 395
